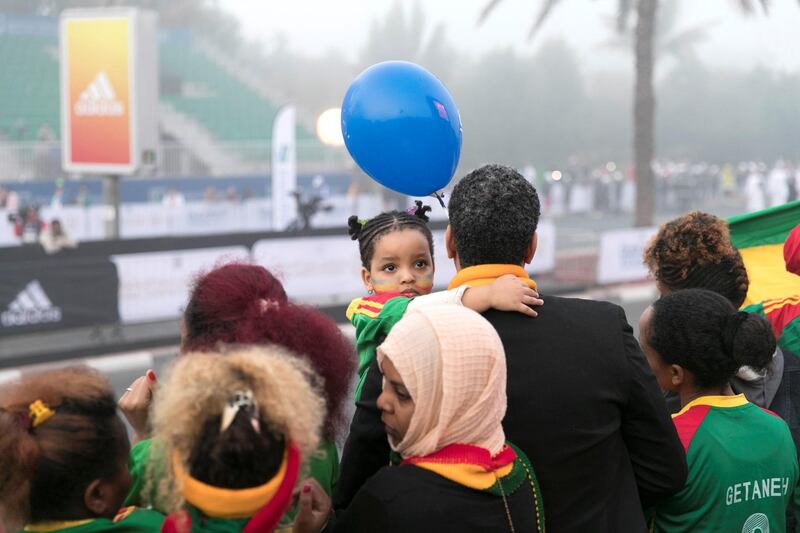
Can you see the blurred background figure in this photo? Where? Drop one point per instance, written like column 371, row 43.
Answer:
column 53, row 238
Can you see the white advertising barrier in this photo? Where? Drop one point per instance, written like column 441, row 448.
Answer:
column 340, row 207
column 327, row 270
column 144, row 220
column 620, row 257
column 195, row 218
column 155, row 285
column 315, row 270
column 80, row 223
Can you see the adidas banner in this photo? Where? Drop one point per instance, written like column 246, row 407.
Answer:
column 42, row 295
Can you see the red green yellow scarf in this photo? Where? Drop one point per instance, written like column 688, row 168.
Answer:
column 473, row 467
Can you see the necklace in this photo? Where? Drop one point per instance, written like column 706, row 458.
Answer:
column 535, row 500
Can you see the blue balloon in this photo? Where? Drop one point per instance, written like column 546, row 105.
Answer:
column 401, row 126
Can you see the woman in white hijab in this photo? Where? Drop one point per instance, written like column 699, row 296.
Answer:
column 443, row 401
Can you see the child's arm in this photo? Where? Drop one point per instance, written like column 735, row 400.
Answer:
column 506, row 293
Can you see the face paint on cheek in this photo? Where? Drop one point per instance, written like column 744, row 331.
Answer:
column 383, row 284
column 425, row 283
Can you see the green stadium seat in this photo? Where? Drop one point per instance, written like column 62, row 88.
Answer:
column 230, row 110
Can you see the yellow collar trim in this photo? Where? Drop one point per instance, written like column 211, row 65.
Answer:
column 228, row 503
column 471, row 476
column 714, row 401
column 476, row 276
column 45, row 527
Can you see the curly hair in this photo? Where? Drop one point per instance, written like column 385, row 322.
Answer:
column 45, row 470
column 240, row 303
column 695, row 251
column 701, row 331
column 494, row 212
column 192, row 396
column 367, row 233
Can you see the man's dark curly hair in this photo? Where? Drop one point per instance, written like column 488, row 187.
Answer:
column 494, row 212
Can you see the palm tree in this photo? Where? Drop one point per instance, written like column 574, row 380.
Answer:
column 644, row 105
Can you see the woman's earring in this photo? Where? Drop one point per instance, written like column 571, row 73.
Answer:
column 371, row 291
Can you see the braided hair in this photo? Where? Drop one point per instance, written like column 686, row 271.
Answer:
column 695, row 251
column 702, row 332
column 367, row 232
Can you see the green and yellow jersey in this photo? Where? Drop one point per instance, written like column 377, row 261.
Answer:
column 373, row 317
column 743, row 470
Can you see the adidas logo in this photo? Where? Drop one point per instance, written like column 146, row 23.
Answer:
column 31, row 306
column 99, row 99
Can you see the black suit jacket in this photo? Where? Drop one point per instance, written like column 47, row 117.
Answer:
column 582, row 404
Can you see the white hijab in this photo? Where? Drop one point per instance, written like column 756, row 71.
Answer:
column 452, row 362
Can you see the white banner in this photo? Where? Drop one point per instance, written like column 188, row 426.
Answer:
column 317, row 270
column 284, row 167
column 155, row 285
column 144, row 220
column 620, row 257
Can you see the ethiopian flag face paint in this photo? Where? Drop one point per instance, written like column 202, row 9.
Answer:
column 759, row 236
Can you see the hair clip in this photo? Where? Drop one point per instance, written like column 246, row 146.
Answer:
column 265, row 304
column 419, row 210
column 40, row 412
column 240, row 400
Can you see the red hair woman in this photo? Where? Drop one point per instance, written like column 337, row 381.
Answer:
column 240, row 303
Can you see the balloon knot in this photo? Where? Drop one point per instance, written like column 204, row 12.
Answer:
column 439, row 196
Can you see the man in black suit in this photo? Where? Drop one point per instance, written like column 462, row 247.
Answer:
column 582, row 401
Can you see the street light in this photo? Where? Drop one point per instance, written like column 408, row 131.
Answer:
column 329, row 127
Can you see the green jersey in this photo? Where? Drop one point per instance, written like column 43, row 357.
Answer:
column 743, row 470
column 373, row 317
column 128, row 520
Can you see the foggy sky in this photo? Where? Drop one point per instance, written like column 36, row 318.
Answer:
column 734, row 40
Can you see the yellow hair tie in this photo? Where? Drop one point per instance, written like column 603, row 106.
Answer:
column 39, row 413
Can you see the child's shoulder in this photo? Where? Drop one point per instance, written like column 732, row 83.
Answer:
column 372, row 305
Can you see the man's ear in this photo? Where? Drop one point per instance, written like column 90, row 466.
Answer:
column 530, row 251
column 366, row 278
column 97, row 498
column 449, row 242
column 450, row 245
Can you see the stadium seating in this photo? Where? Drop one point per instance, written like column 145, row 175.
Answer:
column 191, row 82
column 29, row 85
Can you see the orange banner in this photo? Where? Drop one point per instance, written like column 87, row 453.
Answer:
column 98, row 82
